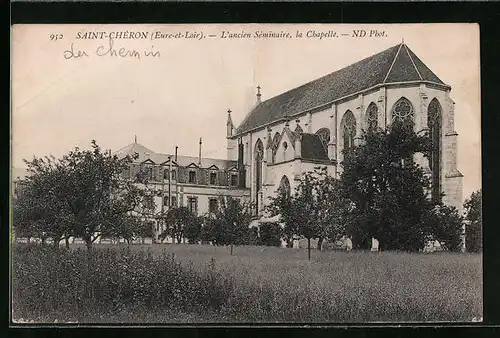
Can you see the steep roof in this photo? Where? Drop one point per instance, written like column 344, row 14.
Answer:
column 395, row 64
column 312, row 148
column 145, row 154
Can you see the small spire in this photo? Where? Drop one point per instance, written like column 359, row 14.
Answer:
column 403, row 40
column 135, row 138
column 258, row 93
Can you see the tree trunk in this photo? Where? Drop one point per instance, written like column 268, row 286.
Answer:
column 309, row 249
column 320, row 242
column 66, row 241
column 231, row 249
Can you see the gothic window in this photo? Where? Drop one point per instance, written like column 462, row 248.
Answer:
column 324, row 135
column 285, row 186
column 348, row 129
column 434, row 121
column 372, row 117
column 403, row 112
column 259, row 155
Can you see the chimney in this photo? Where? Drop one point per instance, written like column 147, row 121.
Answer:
column 258, row 94
column 199, row 154
column 176, row 147
column 229, row 124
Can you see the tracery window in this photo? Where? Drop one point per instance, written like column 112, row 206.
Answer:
column 285, row 186
column 324, row 135
column 434, row 122
column 259, row 155
column 403, row 112
column 348, row 130
column 372, row 117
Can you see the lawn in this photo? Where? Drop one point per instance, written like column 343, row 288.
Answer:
column 202, row 283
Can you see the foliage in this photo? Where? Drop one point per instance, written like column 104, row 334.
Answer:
column 178, row 220
column 192, row 231
column 281, row 204
column 445, row 225
column 474, row 227
column 231, row 222
column 317, row 209
column 388, row 189
column 270, row 234
column 82, row 195
column 189, row 284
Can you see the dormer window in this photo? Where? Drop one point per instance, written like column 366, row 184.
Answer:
column 149, row 173
column 192, row 176
column 234, row 180
column 165, row 174
column 126, row 173
column 213, row 178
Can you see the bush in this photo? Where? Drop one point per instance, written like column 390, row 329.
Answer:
column 51, row 283
column 270, row 234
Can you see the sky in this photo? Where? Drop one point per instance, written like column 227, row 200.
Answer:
column 183, row 93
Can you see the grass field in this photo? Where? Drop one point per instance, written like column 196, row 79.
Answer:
column 201, row 283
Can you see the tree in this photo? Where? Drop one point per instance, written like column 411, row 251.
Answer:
column 388, row 189
column 270, row 234
column 177, row 221
column 305, row 210
column 281, row 205
column 38, row 211
column 82, row 194
column 332, row 207
column 474, row 225
column 192, row 230
column 445, row 225
column 231, row 222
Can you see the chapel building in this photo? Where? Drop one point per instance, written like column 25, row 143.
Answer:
column 311, row 125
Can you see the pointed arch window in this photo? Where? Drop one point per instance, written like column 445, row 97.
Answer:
column 348, row 127
column 434, row 122
column 324, row 135
column 259, row 155
column 274, row 146
column 403, row 112
column 285, row 186
column 372, row 117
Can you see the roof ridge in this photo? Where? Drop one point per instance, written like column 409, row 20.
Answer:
column 393, row 62
column 413, row 63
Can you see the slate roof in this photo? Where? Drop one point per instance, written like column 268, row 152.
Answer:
column 159, row 158
column 395, row 64
column 312, row 148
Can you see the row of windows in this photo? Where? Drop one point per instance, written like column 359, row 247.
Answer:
column 192, row 177
column 192, row 203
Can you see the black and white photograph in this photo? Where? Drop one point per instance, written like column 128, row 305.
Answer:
column 245, row 174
